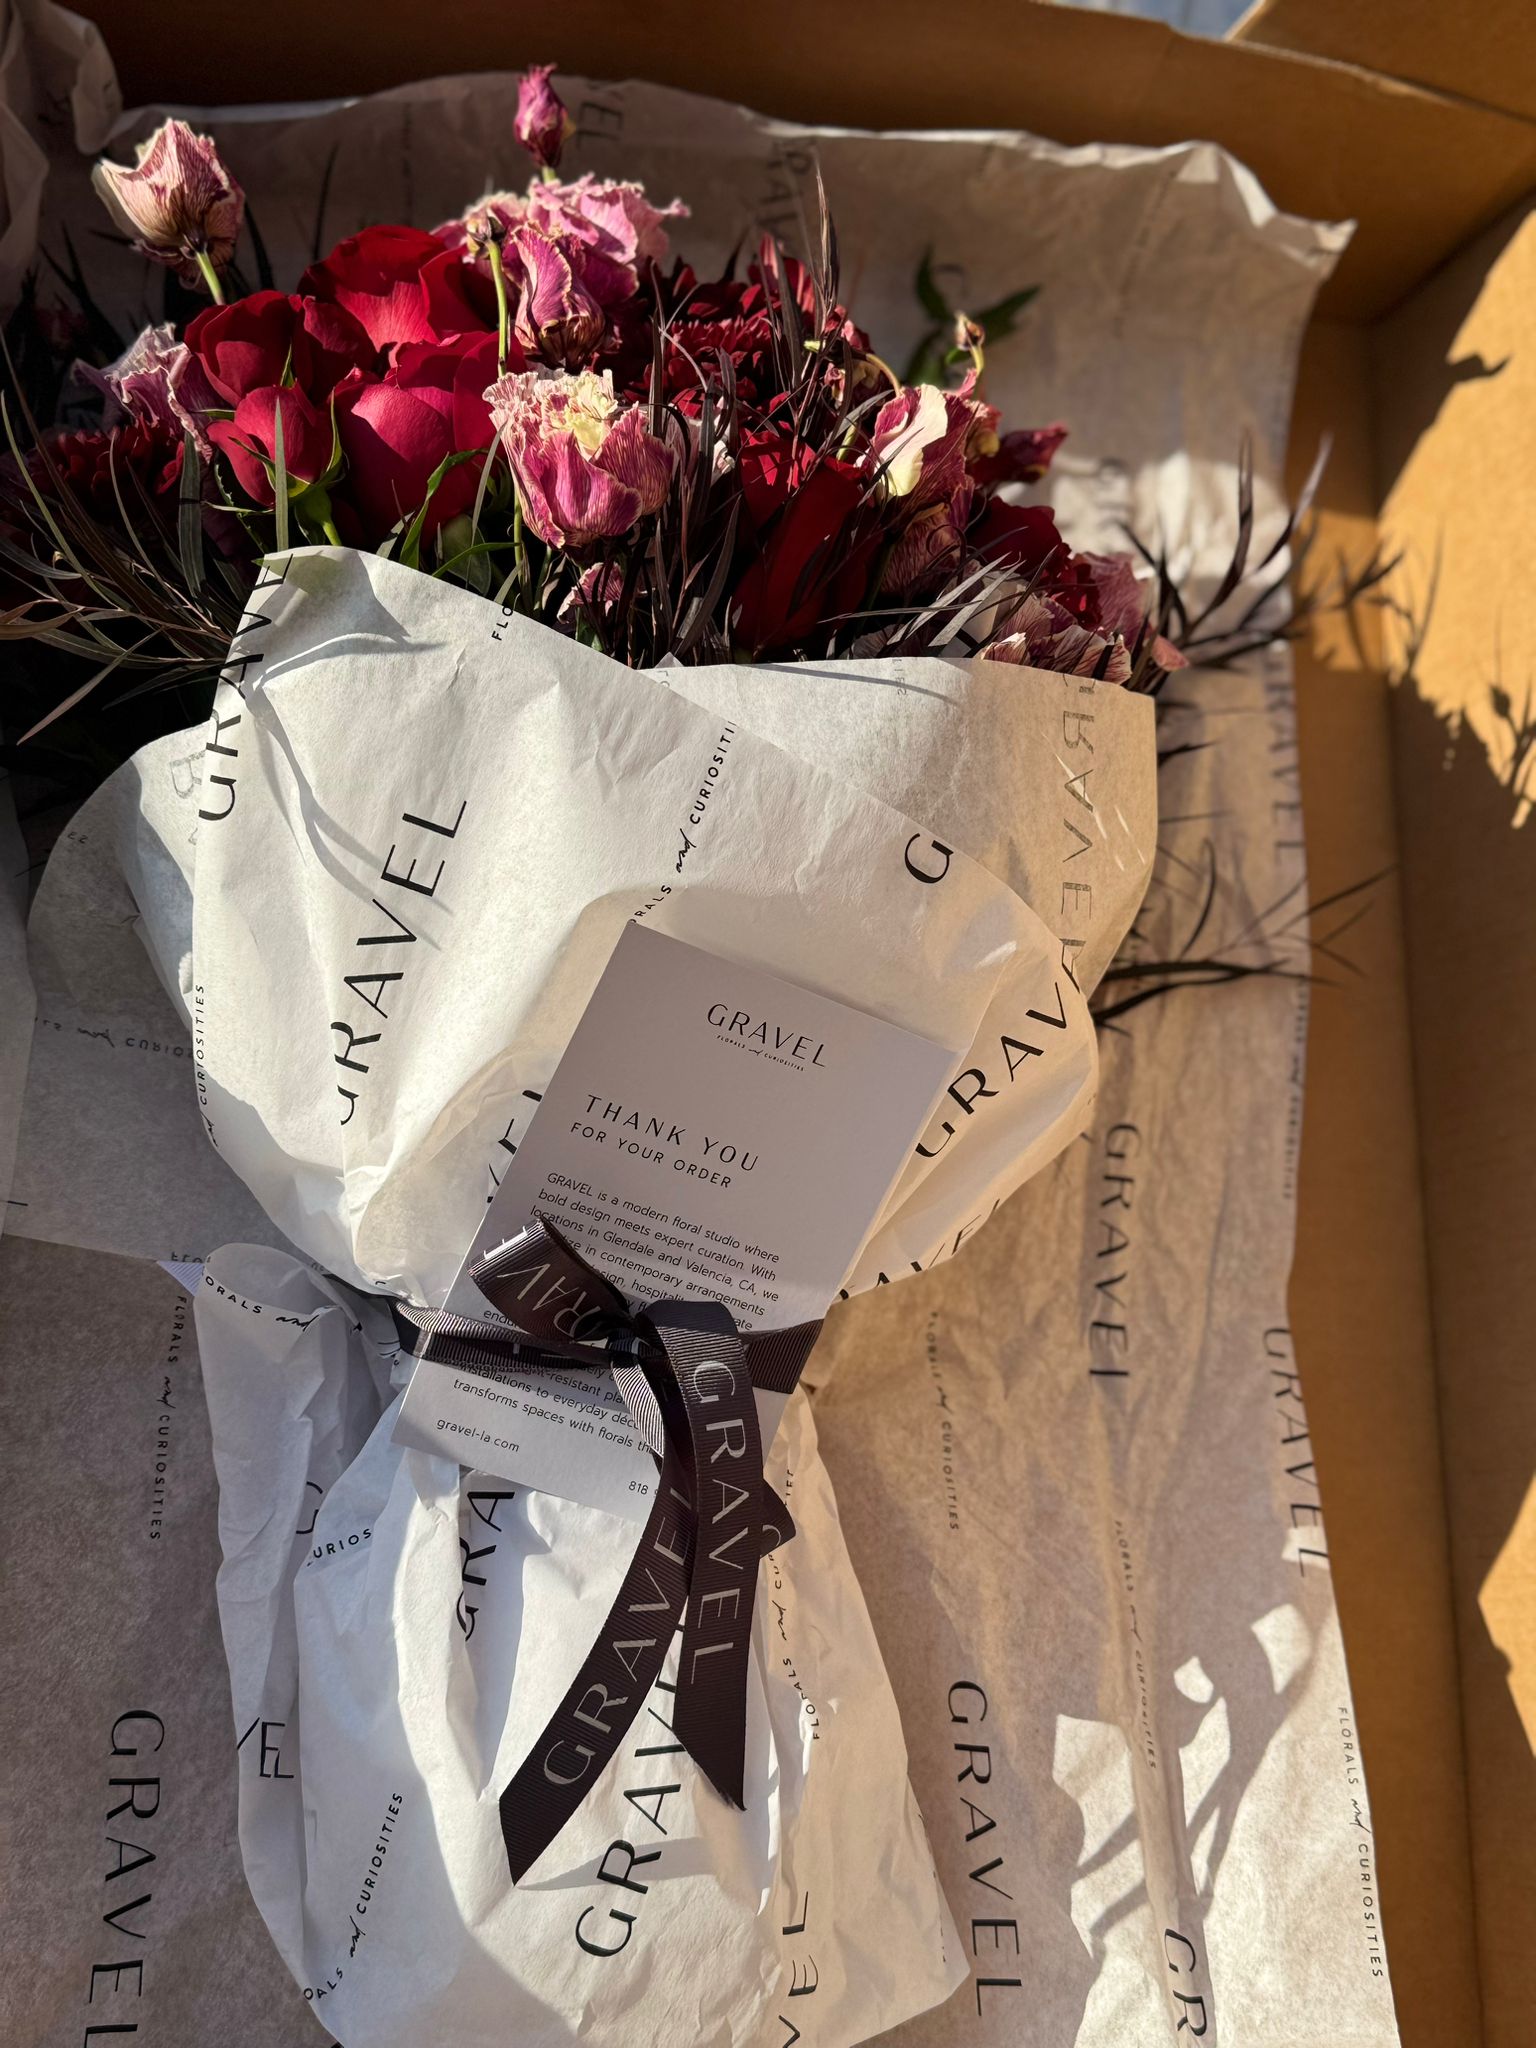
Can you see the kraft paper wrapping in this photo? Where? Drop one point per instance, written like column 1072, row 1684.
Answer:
column 1080, row 1500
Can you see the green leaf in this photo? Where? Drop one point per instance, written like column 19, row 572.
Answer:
column 333, row 467
column 189, row 520
column 279, row 480
column 485, row 478
column 477, row 555
column 925, row 365
column 932, row 299
column 410, row 546
column 998, row 320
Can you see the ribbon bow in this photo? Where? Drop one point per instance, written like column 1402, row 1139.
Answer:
column 686, row 1375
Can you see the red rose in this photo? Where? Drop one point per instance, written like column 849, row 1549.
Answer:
column 261, row 339
column 806, row 564
column 396, row 433
column 460, row 297
column 252, row 435
column 376, row 276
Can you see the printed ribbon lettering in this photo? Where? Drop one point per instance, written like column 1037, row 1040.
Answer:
column 686, row 1375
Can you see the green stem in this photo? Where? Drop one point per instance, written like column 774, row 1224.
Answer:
column 328, row 528
column 519, row 548
column 549, row 174
column 210, row 275
column 503, row 318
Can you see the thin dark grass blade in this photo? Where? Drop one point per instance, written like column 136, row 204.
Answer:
column 258, row 250
column 322, row 200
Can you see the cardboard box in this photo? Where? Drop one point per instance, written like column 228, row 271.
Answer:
column 1413, row 1288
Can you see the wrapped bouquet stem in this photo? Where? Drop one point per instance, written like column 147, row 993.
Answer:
column 392, row 951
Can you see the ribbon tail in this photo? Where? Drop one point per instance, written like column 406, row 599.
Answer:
column 607, row 1693
column 709, row 1362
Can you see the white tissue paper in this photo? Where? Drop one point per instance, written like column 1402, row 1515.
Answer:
column 1100, row 1582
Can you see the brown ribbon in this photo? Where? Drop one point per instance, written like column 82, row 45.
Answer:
column 686, row 1375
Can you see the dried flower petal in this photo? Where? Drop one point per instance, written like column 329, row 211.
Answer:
column 542, row 125
column 587, row 467
column 1038, row 632
column 177, row 202
column 158, row 381
column 558, row 318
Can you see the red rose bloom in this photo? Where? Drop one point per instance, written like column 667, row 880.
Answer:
column 259, row 340
column 806, row 564
column 249, row 440
column 376, row 276
column 459, row 297
column 395, row 433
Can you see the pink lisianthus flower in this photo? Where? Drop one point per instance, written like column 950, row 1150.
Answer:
column 607, row 233
column 914, row 445
column 614, row 218
column 159, row 382
column 558, row 317
column 924, row 439
column 586, row 465
column 177, row 204
column 1122, row 603
column 1089, row 618
column 930, row 546
column 1040, row 632
column 542, row 125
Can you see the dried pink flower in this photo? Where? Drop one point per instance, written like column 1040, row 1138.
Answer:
column 1122, row 603
column 615, row 218
column 177, row 203
column 542, row 126
column 558, row 316
column 605, row 232
column 595, row 593
column 159, row 381
column 587, row 467
column 1022, row 456
column 1042, row 633
column 923, row 438
column 930, row 546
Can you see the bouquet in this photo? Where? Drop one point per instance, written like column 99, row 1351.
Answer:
column 537, row 402
column 551, row 591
